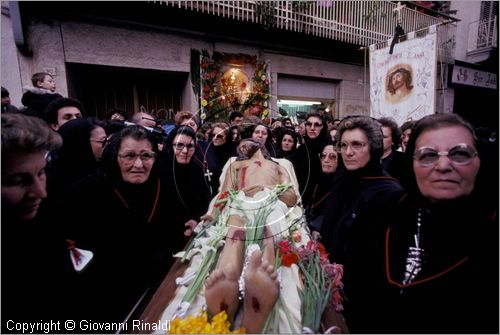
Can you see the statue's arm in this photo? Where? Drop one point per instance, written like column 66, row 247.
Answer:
column 289, row 197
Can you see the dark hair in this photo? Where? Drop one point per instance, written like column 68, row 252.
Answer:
column 110, row 154
column 293, row 134
column 327, row 143
column 39, row 76
column 406, row 76
column 116, row 110
column 5, row 93
column 55, row 105
column 406, row 125
column 372, row 130
column 395, row 132
column 114, row 126
column 262, row 147
column 323, row 132
column 184, row 130
column 234, row 115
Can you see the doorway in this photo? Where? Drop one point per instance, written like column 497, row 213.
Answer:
column 101, row 88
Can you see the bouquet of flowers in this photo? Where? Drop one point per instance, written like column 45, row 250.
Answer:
column 199, row 324
column 322, row 280
column 322, row 284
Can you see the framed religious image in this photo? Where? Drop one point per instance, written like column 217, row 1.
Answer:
column 398, row 83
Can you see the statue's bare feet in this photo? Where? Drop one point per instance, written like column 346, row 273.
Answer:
column 261, row 293
column 221, row 294
column 221, row 287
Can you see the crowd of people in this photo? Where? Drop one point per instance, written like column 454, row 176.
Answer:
column 93, row 210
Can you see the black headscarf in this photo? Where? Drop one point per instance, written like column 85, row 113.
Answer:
column 75, row 159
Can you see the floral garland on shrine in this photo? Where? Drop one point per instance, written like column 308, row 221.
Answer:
column 216, row 100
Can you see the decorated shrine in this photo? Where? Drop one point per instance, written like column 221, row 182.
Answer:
column 226, row 82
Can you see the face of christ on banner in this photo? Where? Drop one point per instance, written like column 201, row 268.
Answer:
column 398, row 83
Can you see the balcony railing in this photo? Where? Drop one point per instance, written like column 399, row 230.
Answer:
column 357, row 22
column 483, row 34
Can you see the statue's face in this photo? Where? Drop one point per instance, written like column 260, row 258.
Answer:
column 248, row 147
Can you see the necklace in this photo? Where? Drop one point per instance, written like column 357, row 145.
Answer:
column 153, row 210
column 414, row 260
column 204, row 164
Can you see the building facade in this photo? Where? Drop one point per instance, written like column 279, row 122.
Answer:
column 135, row 55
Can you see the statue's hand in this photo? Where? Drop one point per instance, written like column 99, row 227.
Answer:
column 250, row 191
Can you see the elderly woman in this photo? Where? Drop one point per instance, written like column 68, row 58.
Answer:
column 355, row 218
column 442, row 245
column 122, row 217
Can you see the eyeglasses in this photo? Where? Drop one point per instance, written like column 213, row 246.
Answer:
column 461, row 154
column 131, row 157
column 149, row 119
column 314, row 124
column 355, row 146
column 103, row 141
column 180, row 146
column 331, row 155
column 219, row 136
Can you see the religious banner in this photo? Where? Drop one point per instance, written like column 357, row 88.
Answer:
column 402, row 84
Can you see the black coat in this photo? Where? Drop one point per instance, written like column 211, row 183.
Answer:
column 456, row 289
column 187, row 189
column 74, row 160
column 394, row 165
column 353, row 233
column 130, row 231
column 36, row 100
column 307, row 167
column 38, row 282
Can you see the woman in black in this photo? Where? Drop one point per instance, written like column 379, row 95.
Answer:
column 305, row 159
column 329, row 160
column 83, row 144
column 355, row 220
column 123, row 217
column 442, row 244
column 287, row 140
column 184, row 178
column 36, row 277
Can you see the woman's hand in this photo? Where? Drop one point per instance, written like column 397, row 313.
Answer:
column 190, row 226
